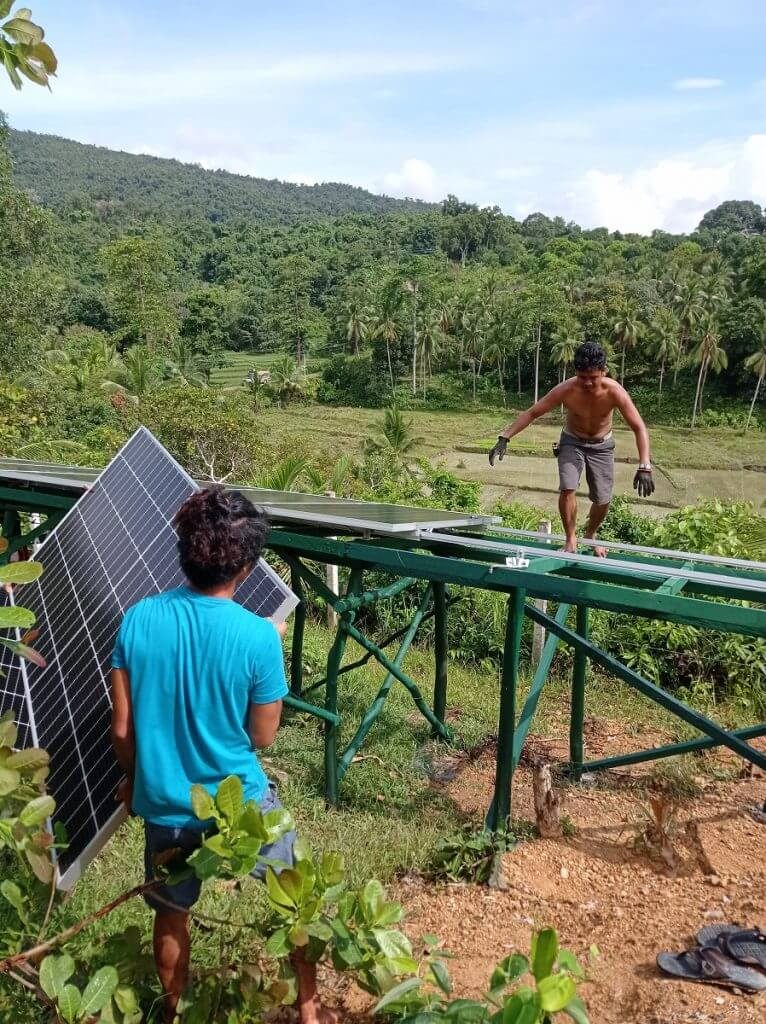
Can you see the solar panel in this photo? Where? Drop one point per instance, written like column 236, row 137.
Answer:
column 116, row 546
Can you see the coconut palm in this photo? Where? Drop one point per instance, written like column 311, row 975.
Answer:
column 137, row 375
column 757, row 363
column 357, row 324
column 431, row 339
column 394, row 437
column 563, row 349
column 708, row 354
column 285, row 475
column 688, row 301
column 185, row 366
column 336, row 481
column 625, row 333
column 664, row 339
column 287, row 381
column 386, row 328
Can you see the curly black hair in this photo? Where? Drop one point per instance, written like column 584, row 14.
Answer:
column 589, row 356
column 219, row 533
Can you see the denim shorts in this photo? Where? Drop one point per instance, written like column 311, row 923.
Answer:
column 159, row 838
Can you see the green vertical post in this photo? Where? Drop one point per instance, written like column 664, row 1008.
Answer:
column 299, row 625
column 578, row 696
column 11, row 530
column 500, row 809
column 440, row 649
column 334, row 660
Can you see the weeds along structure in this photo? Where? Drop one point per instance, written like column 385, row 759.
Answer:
column 423, row 553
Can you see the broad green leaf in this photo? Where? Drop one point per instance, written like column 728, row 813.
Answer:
column 576, row 1009
column 8, row 730
column 69, row 1003
column 372, row 899
column 278, row 944
column 55, row 972
column 251, row 821
column 37, row 811
column 10, row 61
column 23, row 31
column 98, row 991
column 441, row 976
column 569, row 962
column 277, row 823
column 204, row 862
column 32, row 757
column 15, row 897
column 508, row 971
column 522, row 1008
column 20, row 572
column 202, row 803
column 392, row 944
column 46, row 56
column 24, row 651
column 555, row 992
column 288, row 887
column 299, row 936
column 40, row 864
column 16, row 618
column 545, row 947
column 395, row 994
column 229, row 798
column 9, row 780
column 126, row 999
column 33, row 72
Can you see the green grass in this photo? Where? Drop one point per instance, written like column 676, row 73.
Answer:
column 237, row 365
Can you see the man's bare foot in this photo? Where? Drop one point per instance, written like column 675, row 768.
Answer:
column 597, row 550
column 571, row 545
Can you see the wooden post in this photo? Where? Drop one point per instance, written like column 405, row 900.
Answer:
column 538, row 632
column 332, row 582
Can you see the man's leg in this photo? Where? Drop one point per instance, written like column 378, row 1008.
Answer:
column 309, row 1007
column 596, row 516
column 171, row 955
column 568, row 513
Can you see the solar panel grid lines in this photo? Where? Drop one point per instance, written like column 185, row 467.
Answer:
column 114, row 547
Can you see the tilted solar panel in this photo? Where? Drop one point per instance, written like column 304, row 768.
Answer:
column 114, row 547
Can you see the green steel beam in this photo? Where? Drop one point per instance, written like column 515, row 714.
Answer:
column 719, row 735
column 533, row 697
column 439, row 592
column 747, row 621
column 374, row 710
column 33, row 501
column 500, row 808
column 369, row 597
column 671, row 750
column 299, row 626
column 297, row 704
column 577, row 713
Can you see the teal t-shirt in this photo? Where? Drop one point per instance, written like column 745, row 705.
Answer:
column 196, row 663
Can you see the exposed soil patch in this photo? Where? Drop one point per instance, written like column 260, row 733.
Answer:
column 602, row 887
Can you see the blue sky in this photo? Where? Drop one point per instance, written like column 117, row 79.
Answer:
column 636, row 115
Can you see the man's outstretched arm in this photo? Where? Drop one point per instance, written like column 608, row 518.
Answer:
column 546, row 404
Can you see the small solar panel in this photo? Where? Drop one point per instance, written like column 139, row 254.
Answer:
column 116, row 546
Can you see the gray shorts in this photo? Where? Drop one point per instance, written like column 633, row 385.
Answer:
column 160, row 838
column 596, row 458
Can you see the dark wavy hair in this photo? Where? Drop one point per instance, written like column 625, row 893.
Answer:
column 219, row 533
column 589, row 356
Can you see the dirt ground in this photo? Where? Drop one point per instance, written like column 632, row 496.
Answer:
column 598, row 888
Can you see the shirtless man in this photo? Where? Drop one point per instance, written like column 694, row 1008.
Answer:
column 590, row 399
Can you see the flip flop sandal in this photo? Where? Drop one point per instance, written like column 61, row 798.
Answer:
column 710, row 966
column 748, row 946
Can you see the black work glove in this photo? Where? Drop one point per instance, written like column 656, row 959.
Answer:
column 498, row 452
column 643, row 482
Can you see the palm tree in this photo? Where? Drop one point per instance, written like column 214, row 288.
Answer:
column 431, row 339
column 336, row 481
column 688, row 298
column 185, row 366
column 563, row 349
column 757, row 363
column 394, row 437
column 284, row 475
column 412, row 285
column 708, row 355
column 664, row 339
column 287, row 381
column 386, row 328
column 356, row 324
column 138, row 374
column 625, row 333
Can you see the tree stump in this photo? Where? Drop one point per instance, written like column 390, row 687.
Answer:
column 547, row 802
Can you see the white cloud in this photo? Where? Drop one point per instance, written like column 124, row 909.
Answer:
column 673, row 193
column 416, row 178
column 698, row 83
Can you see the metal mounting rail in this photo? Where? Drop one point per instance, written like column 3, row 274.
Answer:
column 638, row 549
column 747, row 587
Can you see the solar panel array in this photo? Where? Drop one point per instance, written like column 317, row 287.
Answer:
column 116, row 546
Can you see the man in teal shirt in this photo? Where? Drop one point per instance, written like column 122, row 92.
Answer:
column 198, row 683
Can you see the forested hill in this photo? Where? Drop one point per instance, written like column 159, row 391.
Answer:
column 64, row 174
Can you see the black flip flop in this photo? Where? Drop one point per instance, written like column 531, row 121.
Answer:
column 748, row 945
column 707, row 964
